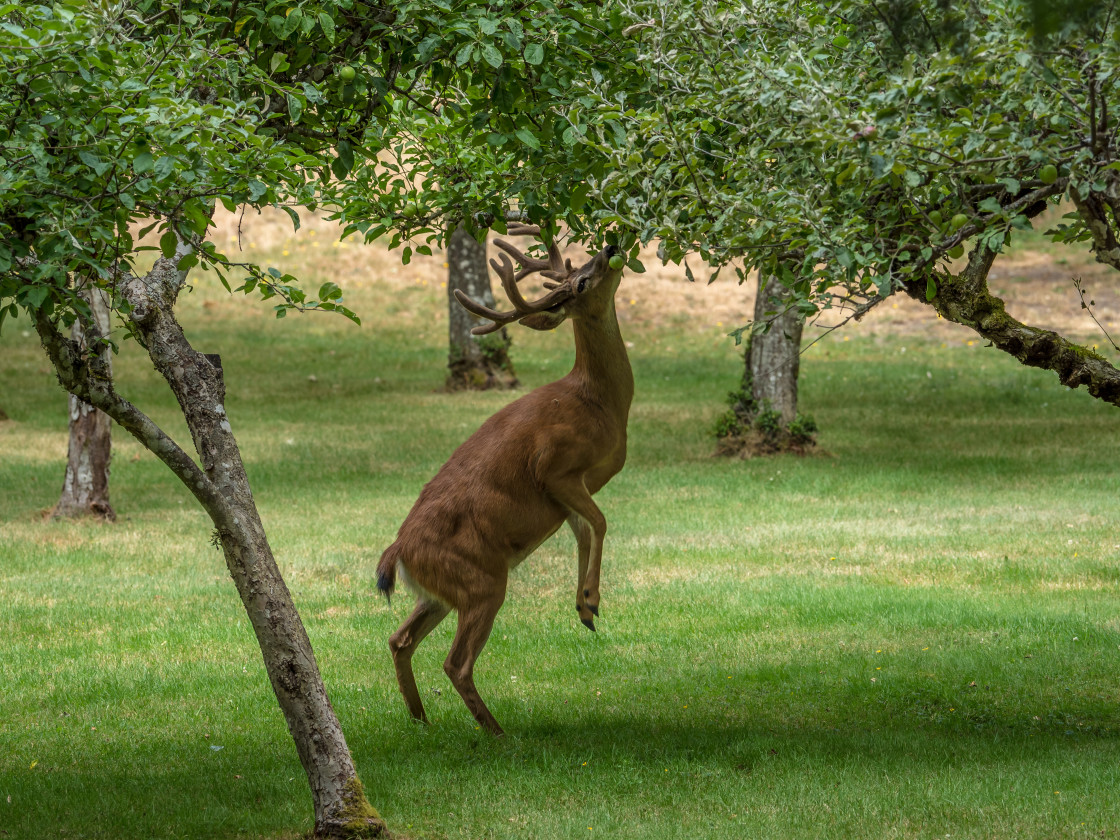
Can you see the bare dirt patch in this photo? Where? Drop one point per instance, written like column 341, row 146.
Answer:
column 1036, row 285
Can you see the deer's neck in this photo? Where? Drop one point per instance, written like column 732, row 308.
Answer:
column 602, row 367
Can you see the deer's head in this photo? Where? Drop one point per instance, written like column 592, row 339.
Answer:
column 587, row 291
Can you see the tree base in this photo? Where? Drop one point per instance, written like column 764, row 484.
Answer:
column 484, row 376
column 353, row 818
column 749, row 434
column 95, row 510
column 754, row 444
column 355, row 829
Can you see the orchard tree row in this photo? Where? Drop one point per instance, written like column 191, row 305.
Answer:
column 846, row 150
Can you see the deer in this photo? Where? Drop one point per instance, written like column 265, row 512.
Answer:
column 531, row 467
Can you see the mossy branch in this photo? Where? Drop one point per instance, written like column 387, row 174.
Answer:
column 965, row 299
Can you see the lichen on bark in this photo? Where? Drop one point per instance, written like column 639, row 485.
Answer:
column 356, row 819
column 964, row 298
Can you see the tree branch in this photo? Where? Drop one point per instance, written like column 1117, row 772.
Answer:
column 965, row 299
column 84, row 377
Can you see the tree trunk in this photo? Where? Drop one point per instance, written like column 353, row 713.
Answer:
column 763, row 418
column 475, row 363
column 775, row 357
column 222, row 488
column 85, row 490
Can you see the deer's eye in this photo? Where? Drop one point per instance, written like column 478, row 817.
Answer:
column 581, row 285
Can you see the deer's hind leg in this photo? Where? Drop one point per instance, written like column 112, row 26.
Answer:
column 475, row 622
column 424, row 618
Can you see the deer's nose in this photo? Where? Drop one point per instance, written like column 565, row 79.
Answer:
column 610, row 250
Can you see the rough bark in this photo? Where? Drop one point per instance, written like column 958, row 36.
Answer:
column 85, row 489
column 775, row 355
column 222, row 488
column 473, row 363
column 763, row 418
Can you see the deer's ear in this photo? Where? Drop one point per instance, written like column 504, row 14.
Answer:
column 544, row 321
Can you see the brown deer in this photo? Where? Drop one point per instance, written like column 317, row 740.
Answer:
column 529, row 468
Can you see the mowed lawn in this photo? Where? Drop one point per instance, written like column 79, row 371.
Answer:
column 914, row 634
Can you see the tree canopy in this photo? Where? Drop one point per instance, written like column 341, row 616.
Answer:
column 858, row 148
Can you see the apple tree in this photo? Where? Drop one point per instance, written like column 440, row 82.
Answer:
column 853, row 151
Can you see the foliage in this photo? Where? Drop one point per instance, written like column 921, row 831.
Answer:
column 252, row 103
column 119, row 116
column 497, row 129
column 868, row 147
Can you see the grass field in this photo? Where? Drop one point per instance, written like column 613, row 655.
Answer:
column 914, row 634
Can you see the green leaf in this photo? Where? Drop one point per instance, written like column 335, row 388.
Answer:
column 295, row 107
column 492, row 55
column 464, row 54
column 163, row 167
column 142, row 162
column 94, row 162
column 991, row 205
column 326, row 22
column 345, row 158
column 528, row 138
column 293, row 215
column 36, row 296
column 534, row 54
column 427, row 48
column 168, row 243
column 579, row 196
column 931, row 288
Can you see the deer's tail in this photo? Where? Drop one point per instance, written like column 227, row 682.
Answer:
column 387, row 572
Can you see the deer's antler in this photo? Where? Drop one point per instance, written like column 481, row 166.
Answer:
column 556, row 268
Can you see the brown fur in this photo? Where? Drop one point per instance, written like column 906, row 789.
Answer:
column 529, row 468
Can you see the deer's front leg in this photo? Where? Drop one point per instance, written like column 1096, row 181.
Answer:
column 572, row 494
column 583, row 540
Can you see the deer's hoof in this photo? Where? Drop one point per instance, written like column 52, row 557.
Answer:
column 594, row 610
column 588, row 623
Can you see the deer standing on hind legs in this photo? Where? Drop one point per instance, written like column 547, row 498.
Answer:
column 529, row 468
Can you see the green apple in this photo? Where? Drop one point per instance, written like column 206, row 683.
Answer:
column 617, row 262
column 1048, row 174
column 347, row 73
column 958, row 221
column 935, row 217
column 956, row 251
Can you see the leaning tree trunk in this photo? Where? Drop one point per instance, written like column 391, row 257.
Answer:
column 222, row 488
column 85, row 490
column 476, row 363
column 763, row 418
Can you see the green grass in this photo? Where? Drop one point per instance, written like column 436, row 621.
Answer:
column 914, row 635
